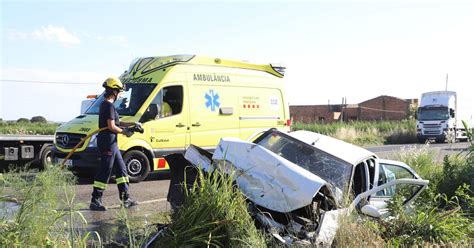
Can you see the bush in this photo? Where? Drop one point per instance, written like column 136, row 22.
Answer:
column 214, row 214
column 442, row 221
column 38, row 119
column 421, row 159
column 355, row 231
column 22, row 120
column 43, row 213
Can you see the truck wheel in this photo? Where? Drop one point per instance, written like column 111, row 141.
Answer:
column 137, row 165
column 46, row 158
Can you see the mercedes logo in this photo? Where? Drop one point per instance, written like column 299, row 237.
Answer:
column 65, row 140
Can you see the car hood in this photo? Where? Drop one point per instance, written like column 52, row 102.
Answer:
column 265, row 178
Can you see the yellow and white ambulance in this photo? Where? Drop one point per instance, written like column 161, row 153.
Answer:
column 181, row 100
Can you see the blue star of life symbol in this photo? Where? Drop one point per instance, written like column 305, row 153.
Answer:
column 212, row 100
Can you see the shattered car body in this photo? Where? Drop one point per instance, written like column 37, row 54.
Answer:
column 296, row 183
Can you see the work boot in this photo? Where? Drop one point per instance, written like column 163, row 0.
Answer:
column 96, row 205
column 128, row 202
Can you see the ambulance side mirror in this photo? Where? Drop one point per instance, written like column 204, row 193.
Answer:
column 150, row 113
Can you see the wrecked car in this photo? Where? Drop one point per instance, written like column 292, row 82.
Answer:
column 299, row 183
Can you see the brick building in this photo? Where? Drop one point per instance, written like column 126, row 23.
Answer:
column 379, row 108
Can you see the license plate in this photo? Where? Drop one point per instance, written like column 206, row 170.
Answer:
column 68, row 162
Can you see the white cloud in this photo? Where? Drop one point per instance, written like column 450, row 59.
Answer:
column 60, row 35
column 47, row 33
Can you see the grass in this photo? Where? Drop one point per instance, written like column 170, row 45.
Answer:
column 44, row 212
column 366, row 133
column 213, row 214
column 28, row 128
column 40, row 210
column 443, row 215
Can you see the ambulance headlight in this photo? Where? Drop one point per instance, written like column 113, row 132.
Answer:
column 93, row 141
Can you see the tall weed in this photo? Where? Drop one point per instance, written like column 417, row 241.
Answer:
column 46, row 214
column 440, row 222
column 214, row 214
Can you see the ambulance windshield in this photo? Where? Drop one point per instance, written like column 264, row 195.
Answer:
column 129, row 101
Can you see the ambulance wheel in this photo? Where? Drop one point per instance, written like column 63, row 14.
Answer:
column 137, row 165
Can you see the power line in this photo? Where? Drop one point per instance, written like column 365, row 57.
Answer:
column 43, row 82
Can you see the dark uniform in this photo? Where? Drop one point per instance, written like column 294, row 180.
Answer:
column 111, row 158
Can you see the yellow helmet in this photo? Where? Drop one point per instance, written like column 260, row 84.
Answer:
column 113, row 83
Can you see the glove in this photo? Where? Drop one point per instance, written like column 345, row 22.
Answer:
column 127, row 132
column 139, row 125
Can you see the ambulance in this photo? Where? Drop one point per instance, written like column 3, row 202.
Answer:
column 181, row 100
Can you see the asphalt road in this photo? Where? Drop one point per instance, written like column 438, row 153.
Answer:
column 439, row 150
column 151, row 194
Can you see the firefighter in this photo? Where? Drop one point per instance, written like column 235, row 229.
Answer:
column 111, row 158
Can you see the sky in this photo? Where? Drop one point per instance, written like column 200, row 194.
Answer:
column 332, row 49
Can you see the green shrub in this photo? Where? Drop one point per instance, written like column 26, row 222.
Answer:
column 457, row 171
column 214, row 214
column 38, row 119
column 421, row 159
column 45, row 214
column 22, row 120
column 355, row 231
column 430, row 223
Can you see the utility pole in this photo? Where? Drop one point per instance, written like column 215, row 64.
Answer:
column 344, row 101
column 446, row 82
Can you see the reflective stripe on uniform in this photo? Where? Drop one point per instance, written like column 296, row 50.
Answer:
column 99, row 185
column 122, row 180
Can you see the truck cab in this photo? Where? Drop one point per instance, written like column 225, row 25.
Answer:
column 437, row 117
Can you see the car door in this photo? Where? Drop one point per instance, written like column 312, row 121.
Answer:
column 388, row 171
column 377, row 206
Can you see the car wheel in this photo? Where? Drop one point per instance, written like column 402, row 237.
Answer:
column 46, row 158
column 137, row 165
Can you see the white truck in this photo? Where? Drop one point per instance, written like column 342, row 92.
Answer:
column 437, row 117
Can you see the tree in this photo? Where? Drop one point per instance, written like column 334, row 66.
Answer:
column 38, row 119
column 23, row 120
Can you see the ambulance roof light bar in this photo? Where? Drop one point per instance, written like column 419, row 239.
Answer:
column 278, row 68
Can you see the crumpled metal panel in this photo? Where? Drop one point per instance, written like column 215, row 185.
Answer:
column 265, row 178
